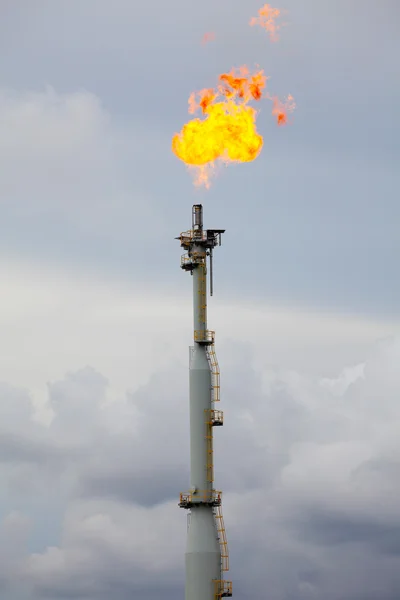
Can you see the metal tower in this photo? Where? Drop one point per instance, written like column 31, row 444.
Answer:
column 206, row 556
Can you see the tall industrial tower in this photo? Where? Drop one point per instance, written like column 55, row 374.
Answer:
column 206, row 550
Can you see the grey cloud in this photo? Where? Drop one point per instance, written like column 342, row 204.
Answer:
column 307, row 466
column 75, row 402
column 15, row 406
column 382, row 469
column 148, row 464
column 290, row 532
column 21, row 449
column 30, row 453
column 145, row 487
column 327, row 528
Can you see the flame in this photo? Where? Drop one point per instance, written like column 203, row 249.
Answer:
column 243, row 85
column 228, row 133
column 266, row 19
column 208, row 37
column 280, row 109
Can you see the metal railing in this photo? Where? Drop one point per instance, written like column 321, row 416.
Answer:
column 214, row 417
column 222, row 539
column 223, row 589
column 212, row 497
column 217, row 417
column 215, row 374
column 195, row 258
column 204, row 336
column 187, row 237
column 185, row 260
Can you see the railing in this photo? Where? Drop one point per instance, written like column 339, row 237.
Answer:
column 187, row 237
column 195, row 258
column 222, row 589
column 215, row 374
column 212, row 498
column 185, row 260
column 217, row 417
column 214, row 417
column 222, row 539
column 204, row 336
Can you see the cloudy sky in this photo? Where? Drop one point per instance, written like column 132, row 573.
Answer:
column 95, row 313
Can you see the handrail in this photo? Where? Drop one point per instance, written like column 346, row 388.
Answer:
column 204, row 336
column 207, row 496
column 192, row 234
column 215, row 374
column 222, row 540
column 222, row 588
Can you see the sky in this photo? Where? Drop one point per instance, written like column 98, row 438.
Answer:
column 96, row 313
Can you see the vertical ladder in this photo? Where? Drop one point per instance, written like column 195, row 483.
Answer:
column 215, row 374
column 222, row 539
column 215, row 417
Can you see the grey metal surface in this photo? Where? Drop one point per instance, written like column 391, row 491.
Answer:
column 200, row 402
column 203, row 557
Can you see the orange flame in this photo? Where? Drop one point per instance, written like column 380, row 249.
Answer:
column 280, row 109
column 266, row 19
column 208, row 37
column 228, row 133
column 243, row 85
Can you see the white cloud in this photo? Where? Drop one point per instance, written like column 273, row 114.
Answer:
column 54, row 320
column 308, row 463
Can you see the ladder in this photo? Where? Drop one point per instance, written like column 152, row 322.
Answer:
column 215, row 374
column 215, row 418
column 222, row 539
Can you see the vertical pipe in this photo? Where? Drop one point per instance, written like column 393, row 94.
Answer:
column 199, row 294
column 211, row 273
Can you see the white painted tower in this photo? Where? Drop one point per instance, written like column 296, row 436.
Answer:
column 206, row 551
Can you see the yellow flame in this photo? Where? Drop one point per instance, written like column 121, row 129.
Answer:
column 228, row 133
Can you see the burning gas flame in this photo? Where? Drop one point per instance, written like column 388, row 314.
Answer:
column 281, row 110
column 208, row 37
column 228, row 132
column 266, row 19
